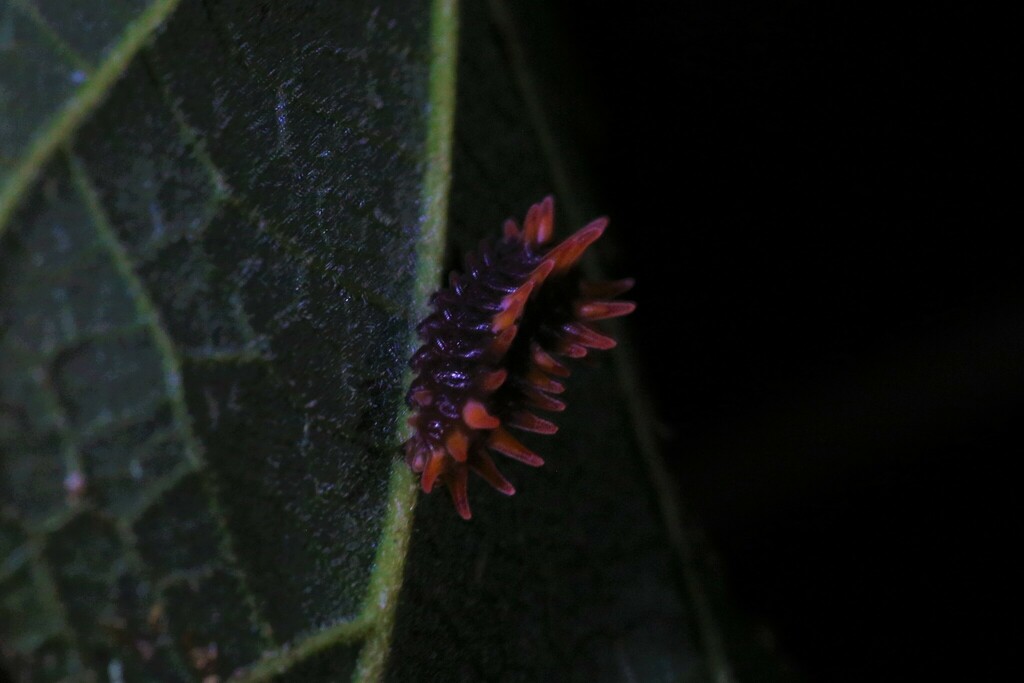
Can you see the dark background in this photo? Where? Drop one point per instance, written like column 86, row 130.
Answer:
column 813, row 198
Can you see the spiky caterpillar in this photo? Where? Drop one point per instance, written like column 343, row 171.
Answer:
column 497, row 339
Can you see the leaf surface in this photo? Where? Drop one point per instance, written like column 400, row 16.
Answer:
column 219, row 223
column 211, row 243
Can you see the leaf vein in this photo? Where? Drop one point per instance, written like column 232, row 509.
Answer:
column 61, row 127
column 169, row 357
column 30, row 12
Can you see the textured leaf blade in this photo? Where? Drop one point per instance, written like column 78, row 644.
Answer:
column 207, row 283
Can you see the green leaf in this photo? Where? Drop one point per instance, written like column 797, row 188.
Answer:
column 219, row 225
